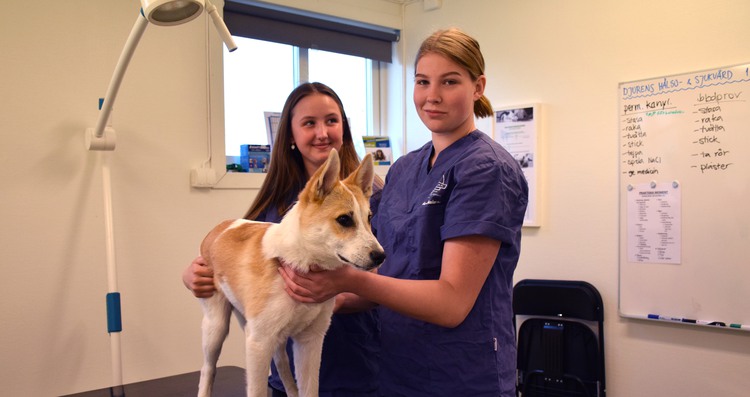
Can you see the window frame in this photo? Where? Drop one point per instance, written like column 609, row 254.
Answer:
column 215, row 164
column 217, row 157
column 303, row 63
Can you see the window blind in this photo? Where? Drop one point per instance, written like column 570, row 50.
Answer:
column 306, row 29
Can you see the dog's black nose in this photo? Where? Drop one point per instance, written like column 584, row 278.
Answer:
column 377, row 257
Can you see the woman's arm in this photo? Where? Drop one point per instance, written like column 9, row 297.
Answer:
column 447, row 301
column 346, row 302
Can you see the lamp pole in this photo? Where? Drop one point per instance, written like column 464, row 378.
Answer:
column 102, row 138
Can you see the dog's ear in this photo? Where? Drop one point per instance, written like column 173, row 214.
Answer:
column 327, row 176
column 363, row 175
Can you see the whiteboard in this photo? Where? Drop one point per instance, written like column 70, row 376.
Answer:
column 684, row 182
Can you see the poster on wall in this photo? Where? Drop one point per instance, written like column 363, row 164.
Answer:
column 516, row 128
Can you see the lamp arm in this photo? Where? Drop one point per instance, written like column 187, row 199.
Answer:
column 122, row 65
column 226, row 37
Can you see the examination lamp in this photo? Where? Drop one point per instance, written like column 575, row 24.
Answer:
column 102, row 138
column 158, row 12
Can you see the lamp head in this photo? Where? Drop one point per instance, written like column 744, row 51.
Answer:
column 171, row 12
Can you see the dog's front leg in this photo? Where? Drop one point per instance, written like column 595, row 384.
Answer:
column 307, row 353
column 258, row 352
column 216, row 314
column 308, row 348
column 281, row 358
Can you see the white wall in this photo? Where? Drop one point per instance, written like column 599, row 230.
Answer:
column 570, row 56
column 57, row 58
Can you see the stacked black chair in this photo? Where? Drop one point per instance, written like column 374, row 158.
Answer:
column 560, row 332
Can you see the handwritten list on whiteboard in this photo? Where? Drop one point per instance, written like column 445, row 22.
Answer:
column 684, row 181
column 702, row 125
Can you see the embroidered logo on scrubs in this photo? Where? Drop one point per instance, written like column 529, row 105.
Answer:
column 436, row 193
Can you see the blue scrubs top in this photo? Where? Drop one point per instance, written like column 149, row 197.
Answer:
column 474, row 188
column 351, row 348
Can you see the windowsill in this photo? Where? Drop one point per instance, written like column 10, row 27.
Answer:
column 240, row 180
column 246, row 180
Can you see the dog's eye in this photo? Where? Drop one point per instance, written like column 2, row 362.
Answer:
column 369, row 217
column 345, row 220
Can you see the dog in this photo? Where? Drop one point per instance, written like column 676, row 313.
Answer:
column 329, row 226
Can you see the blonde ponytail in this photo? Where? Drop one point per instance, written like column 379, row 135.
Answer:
column 483, row 107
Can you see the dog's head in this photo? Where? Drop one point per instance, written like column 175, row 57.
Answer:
column 334, row 217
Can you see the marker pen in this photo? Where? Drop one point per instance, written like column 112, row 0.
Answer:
column 665, row 318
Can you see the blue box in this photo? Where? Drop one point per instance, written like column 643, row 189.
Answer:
column 255, row 158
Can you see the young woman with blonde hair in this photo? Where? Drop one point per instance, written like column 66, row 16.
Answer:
column 450, row 221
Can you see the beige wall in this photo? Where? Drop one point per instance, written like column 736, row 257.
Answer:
column 570, row 57
column 57, row 59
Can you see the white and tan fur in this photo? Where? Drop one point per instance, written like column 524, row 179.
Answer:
column 329, row 227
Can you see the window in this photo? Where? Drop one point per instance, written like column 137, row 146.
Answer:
column 282, row 47
column 258, row 79
column 351, row 78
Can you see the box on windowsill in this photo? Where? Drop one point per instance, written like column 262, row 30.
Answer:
column 255, row 158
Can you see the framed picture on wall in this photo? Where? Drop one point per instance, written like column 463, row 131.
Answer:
column 516, row 128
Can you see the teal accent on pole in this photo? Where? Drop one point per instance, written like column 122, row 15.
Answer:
column 114, row 319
